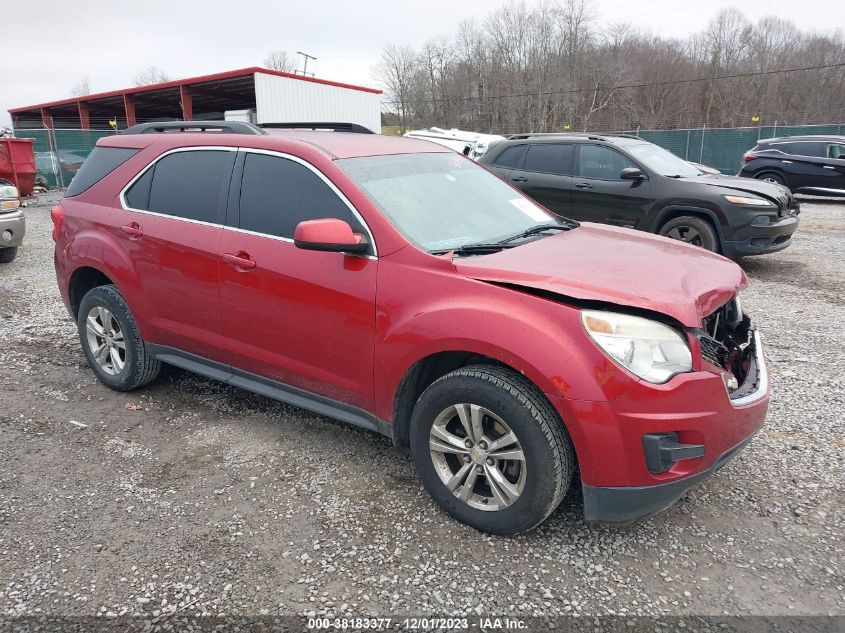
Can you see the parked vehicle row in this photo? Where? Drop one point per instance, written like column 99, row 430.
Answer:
column 625, row 181
column 399, row 286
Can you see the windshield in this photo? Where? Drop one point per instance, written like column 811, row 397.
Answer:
column 442, row 201
column 660, row 160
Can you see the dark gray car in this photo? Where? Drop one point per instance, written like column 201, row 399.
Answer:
column 629, row 182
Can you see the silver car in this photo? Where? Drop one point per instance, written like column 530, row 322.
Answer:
column 12, row 222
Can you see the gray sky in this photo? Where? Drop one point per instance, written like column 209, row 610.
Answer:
column 48, row 46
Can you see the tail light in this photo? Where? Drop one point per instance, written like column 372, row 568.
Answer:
column 57, row 215
column 748, row 156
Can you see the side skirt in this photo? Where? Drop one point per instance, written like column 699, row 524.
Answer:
column 270, row 388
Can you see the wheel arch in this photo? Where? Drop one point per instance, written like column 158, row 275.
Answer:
column 425, row 371
column 82, row 280
column 676, row 211
column 95, row 259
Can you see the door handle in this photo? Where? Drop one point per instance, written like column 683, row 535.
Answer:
column 786, row 162
column 240, row 261
column 133, row 229
column 583, row 185
column 828, row 166
column 520, row 179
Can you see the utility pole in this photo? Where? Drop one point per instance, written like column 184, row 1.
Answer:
column 305, row 57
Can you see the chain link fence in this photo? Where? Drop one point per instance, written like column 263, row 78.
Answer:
column 59, row 153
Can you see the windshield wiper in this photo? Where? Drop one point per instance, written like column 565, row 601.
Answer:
column 536, row 230
column 475, row 249
column 483, row 248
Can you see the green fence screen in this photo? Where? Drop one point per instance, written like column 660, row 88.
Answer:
column 723, row 148
column 59, row 153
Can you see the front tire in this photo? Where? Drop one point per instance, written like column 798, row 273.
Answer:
column 490, row 449
column 112, row 342
column 692, row 230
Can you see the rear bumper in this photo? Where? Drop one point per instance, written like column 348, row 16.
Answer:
column 760, row 240
column 626, row 504
column 15, row 224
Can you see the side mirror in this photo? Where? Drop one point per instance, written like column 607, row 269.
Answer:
column 329, row 235
column 631, row 173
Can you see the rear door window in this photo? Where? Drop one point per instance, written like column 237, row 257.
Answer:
column 511, row 157
column 808, row 148
column 188, row 184
column 278, row 193
column 99, row 164
column 601, row 163
column 550, row 159
column 836, row 150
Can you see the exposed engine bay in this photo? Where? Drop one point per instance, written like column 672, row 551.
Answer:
column 727, row 341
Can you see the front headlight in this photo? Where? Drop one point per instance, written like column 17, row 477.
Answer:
column 653, row 351
column 749, row 202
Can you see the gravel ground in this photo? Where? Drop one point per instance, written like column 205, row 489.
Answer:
column 189, row 497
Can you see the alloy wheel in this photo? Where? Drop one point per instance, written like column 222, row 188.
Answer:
column 105, row 340
column 477, row 457
column 685, row 234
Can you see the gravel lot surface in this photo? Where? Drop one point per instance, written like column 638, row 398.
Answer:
column 189, row 497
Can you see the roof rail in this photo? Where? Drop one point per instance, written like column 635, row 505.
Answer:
column 224, row 127
column 334, row 127
column 549, row 134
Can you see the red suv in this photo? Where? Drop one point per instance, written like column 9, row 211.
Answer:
column 396, row 285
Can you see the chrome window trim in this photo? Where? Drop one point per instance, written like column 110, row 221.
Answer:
column 296, row 159
column 329, row 183
column 140, row 174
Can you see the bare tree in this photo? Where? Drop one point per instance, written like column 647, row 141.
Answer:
column 151, row 75
column 81, row 88
column 550, row 66
column 396, row 70
column 281, row 61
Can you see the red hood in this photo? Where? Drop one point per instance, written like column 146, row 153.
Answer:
column 616, row 265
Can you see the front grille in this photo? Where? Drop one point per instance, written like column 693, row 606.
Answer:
column 712, row 350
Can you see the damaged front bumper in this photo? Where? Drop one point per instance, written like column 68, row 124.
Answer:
column 703, row 423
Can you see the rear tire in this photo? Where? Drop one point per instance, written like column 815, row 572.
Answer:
column 7, row 254
column 510, row 465
column 771, row 177
column 112, row 342
column 692, row 230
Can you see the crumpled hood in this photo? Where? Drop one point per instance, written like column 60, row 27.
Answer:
column 616, row 265
column 762, row 188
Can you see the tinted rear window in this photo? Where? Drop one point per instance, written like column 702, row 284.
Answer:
column 509, row 159
column 808, row 148
column 99, row 164
column 550, row 159
column 188, row 184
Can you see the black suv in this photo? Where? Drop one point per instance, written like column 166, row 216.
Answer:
column 805, row 164
column 629, row 182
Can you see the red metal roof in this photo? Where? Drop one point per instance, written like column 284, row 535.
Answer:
column 243, row 72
